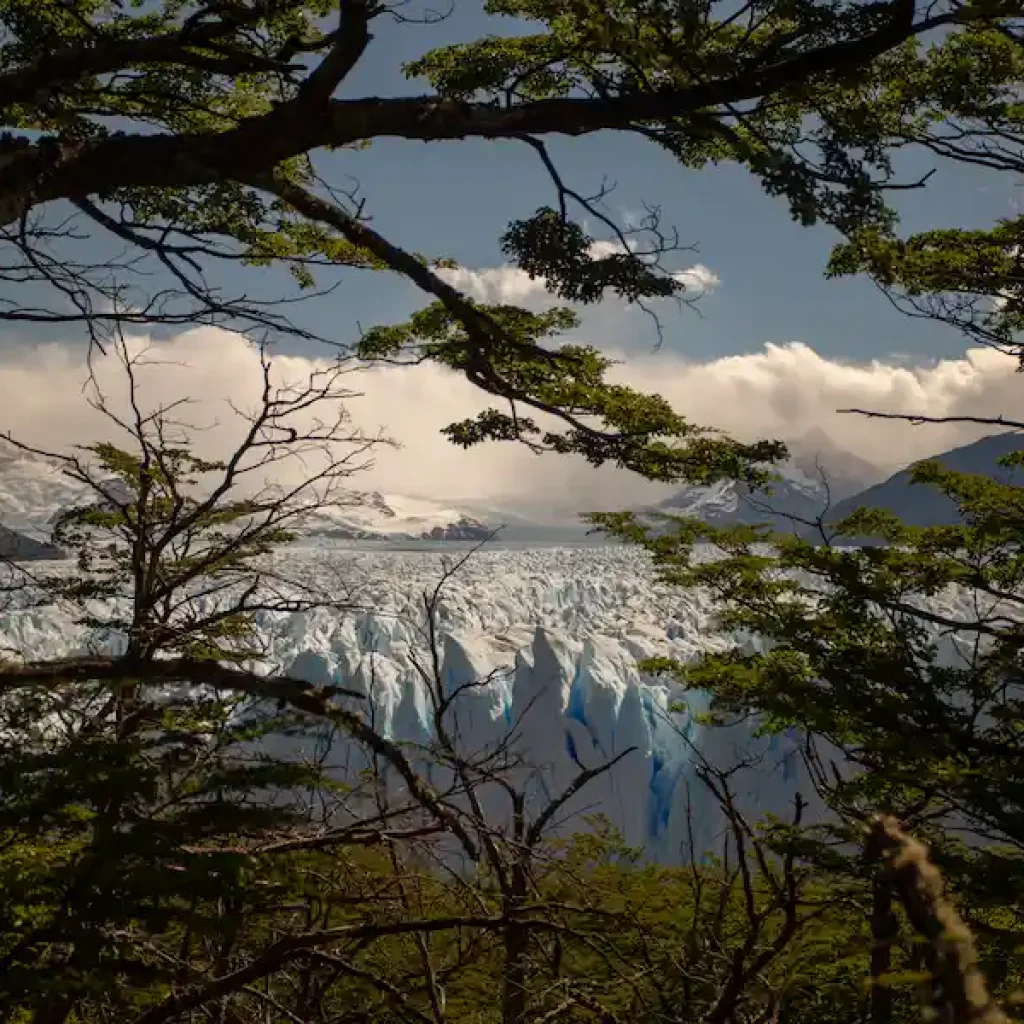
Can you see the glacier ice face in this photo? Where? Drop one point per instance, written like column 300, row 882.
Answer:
column 543, row 648
column 540, row 650
column 564, row 706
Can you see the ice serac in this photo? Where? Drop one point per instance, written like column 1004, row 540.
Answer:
column 558, row 707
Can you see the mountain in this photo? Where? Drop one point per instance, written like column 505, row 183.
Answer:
column 800, row 493
column 846, row 472
column 816, row 475
column 729, row 503
column 34, row 491
column 376, row 516
column 924, row 505
column 520, row 519
column 16, row 547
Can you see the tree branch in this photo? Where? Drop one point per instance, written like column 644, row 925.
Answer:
column 352, row 39
column 296, row 692
column 917, row 419
column 292, row 946
column 31, row 173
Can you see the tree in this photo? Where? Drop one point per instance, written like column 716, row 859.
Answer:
column 189, row 134
column 899, row 663
column 114, row 774
column 159, row 856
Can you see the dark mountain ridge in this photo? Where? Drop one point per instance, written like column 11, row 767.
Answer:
column 925, row 505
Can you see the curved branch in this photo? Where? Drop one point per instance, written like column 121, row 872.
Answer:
column 299, row 694
column 295, row 692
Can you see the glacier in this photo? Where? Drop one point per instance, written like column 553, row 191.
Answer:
column 552, row 640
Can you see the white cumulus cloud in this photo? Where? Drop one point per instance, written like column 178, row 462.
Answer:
column 784, row 391
column 698, row 278
column 500, row 285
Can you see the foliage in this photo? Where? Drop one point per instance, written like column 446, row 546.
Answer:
column 899, row 660
column 153, row 867
column 163, row 852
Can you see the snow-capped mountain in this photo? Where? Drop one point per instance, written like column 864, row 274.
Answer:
column 34, row 491
column 17, row 547
column 796, row 496
column 376, row 516
column 817, row 475
column 728, row 503
column 531, row 521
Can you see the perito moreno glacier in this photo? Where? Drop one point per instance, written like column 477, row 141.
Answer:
column 551, row 640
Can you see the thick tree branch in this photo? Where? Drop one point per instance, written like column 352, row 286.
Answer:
column 299, row 694
column 484, row 334
column 105, row 55
column 352, row 39
column 957, row 978
column 31, row 173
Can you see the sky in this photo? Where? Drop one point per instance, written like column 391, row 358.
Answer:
column 773, row 349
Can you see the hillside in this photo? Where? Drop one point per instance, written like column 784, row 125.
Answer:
column 922, row 504
column 816, row 476
column 376, row 516
column 16, row 547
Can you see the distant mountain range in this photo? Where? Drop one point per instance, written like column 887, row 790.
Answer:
column 800, row 495
column 376, row 516
column 923, row 505
column 33, row 493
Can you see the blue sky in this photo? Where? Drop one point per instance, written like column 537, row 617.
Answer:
column 455, row 200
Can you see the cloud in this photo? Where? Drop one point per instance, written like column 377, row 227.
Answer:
column 790, row 391
column 498, row 285
column 509, row 284
column 787, row 391
column 698, row 278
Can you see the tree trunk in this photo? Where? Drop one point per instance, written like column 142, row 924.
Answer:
column 884, row 928
column 517, row 942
